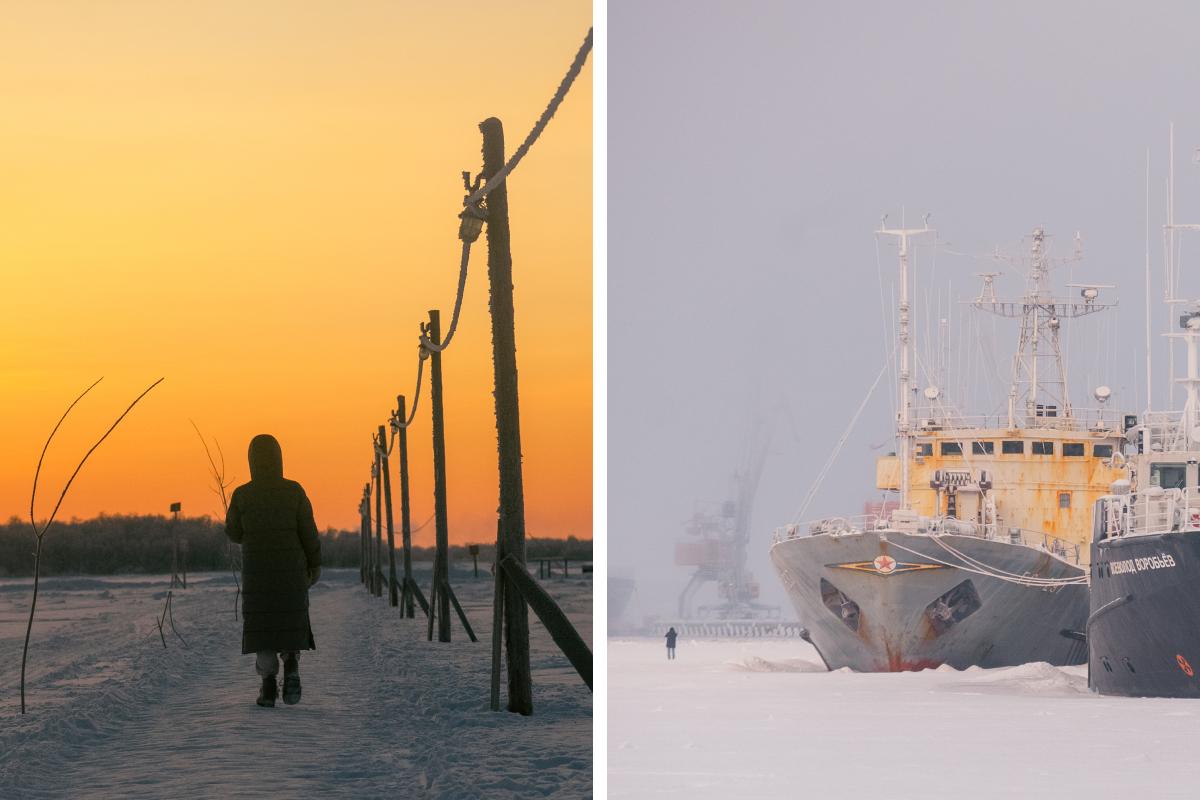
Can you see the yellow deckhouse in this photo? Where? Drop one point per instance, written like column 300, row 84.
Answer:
column 1028, row 483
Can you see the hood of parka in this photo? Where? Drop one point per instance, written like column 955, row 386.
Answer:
column 266, row 458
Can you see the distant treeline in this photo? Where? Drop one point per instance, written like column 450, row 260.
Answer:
column 119, row 544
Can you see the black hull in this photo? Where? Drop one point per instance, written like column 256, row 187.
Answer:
column 1144, row 627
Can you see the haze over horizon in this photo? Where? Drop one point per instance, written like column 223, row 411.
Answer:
column 752, row 156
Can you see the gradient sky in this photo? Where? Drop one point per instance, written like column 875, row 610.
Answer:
column 753, row 148
column 258, row 201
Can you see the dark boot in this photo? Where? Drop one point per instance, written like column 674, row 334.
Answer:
column 291, row 680
column 268, row 692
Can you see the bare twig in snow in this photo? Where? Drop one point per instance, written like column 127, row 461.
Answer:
column 40, row 533
column 219, row 485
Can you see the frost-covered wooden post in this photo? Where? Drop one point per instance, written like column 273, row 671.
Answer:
column 364, row 549
column 439, row 597
column 442, row 595
column 497, row 622
column 508, row 423
column 393, row 590
column 377, row 575
column 555, row 621
column 411, row 591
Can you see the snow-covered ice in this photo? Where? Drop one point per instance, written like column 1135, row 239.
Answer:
column 384, row 714
column 762, row 719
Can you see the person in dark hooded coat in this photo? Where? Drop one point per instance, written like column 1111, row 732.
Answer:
column 272, row 519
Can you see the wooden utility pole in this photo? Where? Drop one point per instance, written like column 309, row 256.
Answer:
column 410, row 585
column 508, row 423
column 393, row 590
column 497, row 622
column 364, row 549
column 439, row 597
column 377, row 578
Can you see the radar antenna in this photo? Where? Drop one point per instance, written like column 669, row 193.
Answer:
column 1042, row 391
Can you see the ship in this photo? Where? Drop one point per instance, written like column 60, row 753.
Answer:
column 983, row 559
column 1143, row 632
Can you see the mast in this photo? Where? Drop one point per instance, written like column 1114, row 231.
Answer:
column 1169, row 287
column 904, row 407
column 1187, row 437
column 1149, row 359
column 1041, row 316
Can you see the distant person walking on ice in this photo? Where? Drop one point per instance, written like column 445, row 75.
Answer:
column 272, row 519
column 671, row 636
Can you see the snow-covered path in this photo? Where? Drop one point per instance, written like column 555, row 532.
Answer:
column 384, row 712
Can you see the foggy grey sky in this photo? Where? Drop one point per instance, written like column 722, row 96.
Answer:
column 753, row 148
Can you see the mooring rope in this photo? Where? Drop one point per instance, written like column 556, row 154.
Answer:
column 812, row 492
column 1023, row 580
column 997, row 572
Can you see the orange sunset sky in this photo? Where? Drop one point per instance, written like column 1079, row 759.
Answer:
column 258, row 201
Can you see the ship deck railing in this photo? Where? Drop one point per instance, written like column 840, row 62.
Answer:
column 1151, row 511
column 932, row 419
column 1064, row 549
column 1164, row 432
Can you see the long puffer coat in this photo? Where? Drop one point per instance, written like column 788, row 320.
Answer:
column 272, row 519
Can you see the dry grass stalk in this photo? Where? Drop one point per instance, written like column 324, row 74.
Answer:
column 40, row 533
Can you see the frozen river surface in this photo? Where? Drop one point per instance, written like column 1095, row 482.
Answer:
column 762, row 719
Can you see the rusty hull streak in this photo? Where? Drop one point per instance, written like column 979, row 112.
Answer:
column 897, row 663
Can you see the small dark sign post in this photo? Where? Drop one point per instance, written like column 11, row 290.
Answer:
column 474, row 551
column 175, row 579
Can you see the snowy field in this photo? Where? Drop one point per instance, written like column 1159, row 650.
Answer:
column 762, row 719
column 384, row 714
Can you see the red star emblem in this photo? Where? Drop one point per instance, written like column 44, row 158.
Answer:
column 885, row 564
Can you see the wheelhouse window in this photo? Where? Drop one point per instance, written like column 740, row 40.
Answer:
column 983, row 448
column 1043, row 448
column 1168, row 476
column 1064, row 499
column 1013, row 448
column 924, row 449
column 1102, row 450
column 951, row 449
column 1072, row 448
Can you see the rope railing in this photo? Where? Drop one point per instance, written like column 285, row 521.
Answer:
column 555, row 101
column 473, row 217
column 511, row 604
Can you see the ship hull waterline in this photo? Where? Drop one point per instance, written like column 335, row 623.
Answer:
column 1144, row 630
column 889, row 601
